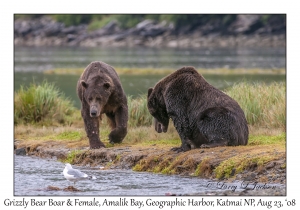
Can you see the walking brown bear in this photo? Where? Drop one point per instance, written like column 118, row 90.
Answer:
column 100, row 92
column 202, row 115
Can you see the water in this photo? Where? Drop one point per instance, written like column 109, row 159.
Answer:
column 33, row 175
column 30, row 62
column 38, row 59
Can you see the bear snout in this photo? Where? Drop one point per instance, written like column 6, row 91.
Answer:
column 94, row 112
column 159, row 127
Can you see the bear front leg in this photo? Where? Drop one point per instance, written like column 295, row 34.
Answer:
column 119, row 132
column 92, row 129
column 185, row 146
column 184, row 134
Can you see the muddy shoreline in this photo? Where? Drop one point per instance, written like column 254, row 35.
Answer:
column 157, row 159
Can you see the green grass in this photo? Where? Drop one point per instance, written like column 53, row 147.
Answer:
column 138, row 112
column 166, row 71
column 43, row 104
column 264, row 140
column 70, row 135
column 264, row 105
column 71, row 156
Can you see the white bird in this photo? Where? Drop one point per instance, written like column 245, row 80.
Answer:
column 75, row 175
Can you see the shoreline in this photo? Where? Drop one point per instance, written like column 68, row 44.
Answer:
column 46, row 31
column 193, row 41
column 157, row 158
column 260, row 181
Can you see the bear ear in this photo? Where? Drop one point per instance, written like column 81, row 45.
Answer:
column 84, row 84
column 150, row 91
column 106, row 85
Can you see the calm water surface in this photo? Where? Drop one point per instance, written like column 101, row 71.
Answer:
column 38, row 59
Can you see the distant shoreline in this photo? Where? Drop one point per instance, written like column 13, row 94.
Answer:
column 182, row 41
column 47, row 32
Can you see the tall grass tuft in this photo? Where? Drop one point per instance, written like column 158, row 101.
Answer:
column 264, row 105
column 43, row 104
column 138, row 112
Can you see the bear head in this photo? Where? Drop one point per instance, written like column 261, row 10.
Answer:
column 157, row 108
column 96, row 93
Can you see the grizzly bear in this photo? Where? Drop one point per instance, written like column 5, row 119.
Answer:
column 100, row 92
column 202, row 115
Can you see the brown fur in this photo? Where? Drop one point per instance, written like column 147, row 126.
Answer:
column 100, row 92
column 202, row 115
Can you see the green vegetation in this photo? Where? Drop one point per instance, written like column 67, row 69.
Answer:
column 99, row 23
column 138, row 112
column 264, row 105
column 71, row 156
column 202, row 167
column 119, row 70
column 74, row 135
column 237, row 164
column 43, row 104
column 163, row 71
column 72, row 19
column 267, row 140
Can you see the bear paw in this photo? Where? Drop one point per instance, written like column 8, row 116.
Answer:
column 97, row 145
column 180, row 149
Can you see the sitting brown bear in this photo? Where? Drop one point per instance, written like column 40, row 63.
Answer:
column 202, row 115
column 100, row 91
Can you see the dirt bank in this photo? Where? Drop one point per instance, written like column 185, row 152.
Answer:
column 255, row 163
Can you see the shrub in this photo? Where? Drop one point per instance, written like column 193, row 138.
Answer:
column 41, row 104
column 73, row 19
column 100, row 23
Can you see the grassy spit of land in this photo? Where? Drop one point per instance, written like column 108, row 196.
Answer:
column 41, row 132
column 165, row 71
